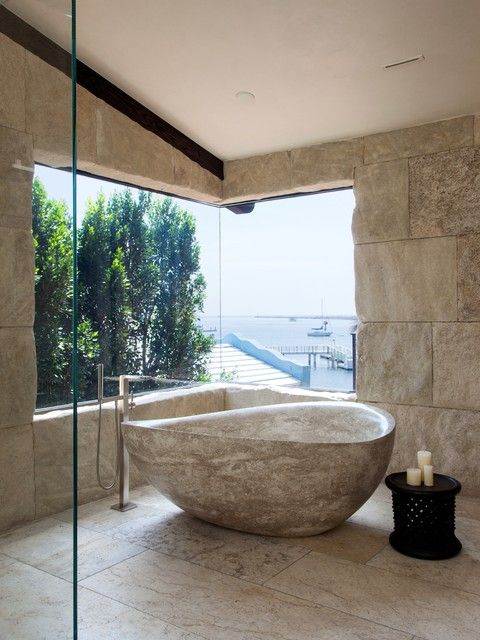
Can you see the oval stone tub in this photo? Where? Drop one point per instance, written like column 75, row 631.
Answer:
column 290, row 469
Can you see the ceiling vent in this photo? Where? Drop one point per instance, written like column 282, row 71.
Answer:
column 400, row 63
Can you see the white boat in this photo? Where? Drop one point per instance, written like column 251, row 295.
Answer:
column 320, row 332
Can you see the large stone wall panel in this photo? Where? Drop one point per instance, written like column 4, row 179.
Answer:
column 131, row 153
column 49, row 116
column 417, row 141
column 453, row 436
column 445, row 193
column 18, row 376
column 328, row 165
column 456, row 365
column 192, row 181
column 16, row 172
column 324, row 166
column 394, row 363
column 468, row 248
column 17, row 489
column 17, row 278
column 381, row 195
column 257, row 177
column 12, row 84
column 411, row 280
column 53, row 458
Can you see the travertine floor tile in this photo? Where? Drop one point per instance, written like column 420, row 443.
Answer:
column 102, row 618
column 34, row 605
column 415, row 606
column 94, row 554
column 5, row 561
column 48, row 545
column 243, row 555
column 349, row 541
column 377, row 511
column 460, row 572
column 221, row 607
column 98, row 515
column 36, row 542
column 467, row 531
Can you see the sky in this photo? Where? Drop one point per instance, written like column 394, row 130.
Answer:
column 285, row 258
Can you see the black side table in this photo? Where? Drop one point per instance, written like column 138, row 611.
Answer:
column 424, row 517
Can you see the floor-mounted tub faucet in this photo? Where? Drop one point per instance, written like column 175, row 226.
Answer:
column 122, row 458
column 122, row 462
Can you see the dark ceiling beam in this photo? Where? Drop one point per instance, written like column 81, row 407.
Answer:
column 31, row 39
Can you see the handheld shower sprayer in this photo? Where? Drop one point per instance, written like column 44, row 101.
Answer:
column 122, row 464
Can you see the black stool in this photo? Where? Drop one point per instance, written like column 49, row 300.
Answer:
column 424, row 517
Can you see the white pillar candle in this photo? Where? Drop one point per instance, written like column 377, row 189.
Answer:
column 423, row 458
column 414, row 477
column 428, row 475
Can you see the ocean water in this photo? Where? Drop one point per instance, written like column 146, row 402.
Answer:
column 277, row 332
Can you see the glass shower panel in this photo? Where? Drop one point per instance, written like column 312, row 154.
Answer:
column 148, row 312
column 36, row 252
column 149, row 324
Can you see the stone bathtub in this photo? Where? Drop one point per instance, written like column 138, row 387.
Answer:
column 283, row 469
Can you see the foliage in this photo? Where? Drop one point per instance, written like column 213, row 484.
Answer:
column 53, row 276
column 140, row 291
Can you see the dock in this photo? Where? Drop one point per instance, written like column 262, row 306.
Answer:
column 339, row 356
column 234, row 365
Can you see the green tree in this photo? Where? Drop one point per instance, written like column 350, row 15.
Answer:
column 140, row 291
column 53, row 275
column 140, row 286
column 52, row 236
column 133, row 237
column 178, row 348
column 103, row 286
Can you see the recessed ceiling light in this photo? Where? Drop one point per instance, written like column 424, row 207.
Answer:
column 419, row 58
column 245, row 96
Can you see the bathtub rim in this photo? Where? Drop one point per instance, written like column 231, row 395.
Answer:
column 170, row 425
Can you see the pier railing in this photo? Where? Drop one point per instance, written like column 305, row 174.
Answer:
column 337, row 355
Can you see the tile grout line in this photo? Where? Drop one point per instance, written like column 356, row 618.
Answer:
column 345, row 613
column 395, row 574
column 223, row 573
column 114, row 564
column 307, row 552
column 91, row 528
column 375, row 554
column 145, row 613
column 419, row 579
column 273, row 590
column 32, row 566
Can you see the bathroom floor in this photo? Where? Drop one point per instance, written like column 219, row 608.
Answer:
column 154, row 573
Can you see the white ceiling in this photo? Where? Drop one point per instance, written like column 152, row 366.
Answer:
column 315, row 66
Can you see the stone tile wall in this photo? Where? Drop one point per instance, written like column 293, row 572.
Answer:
column 416, row 230
column 417, row 289
column 17, row 349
